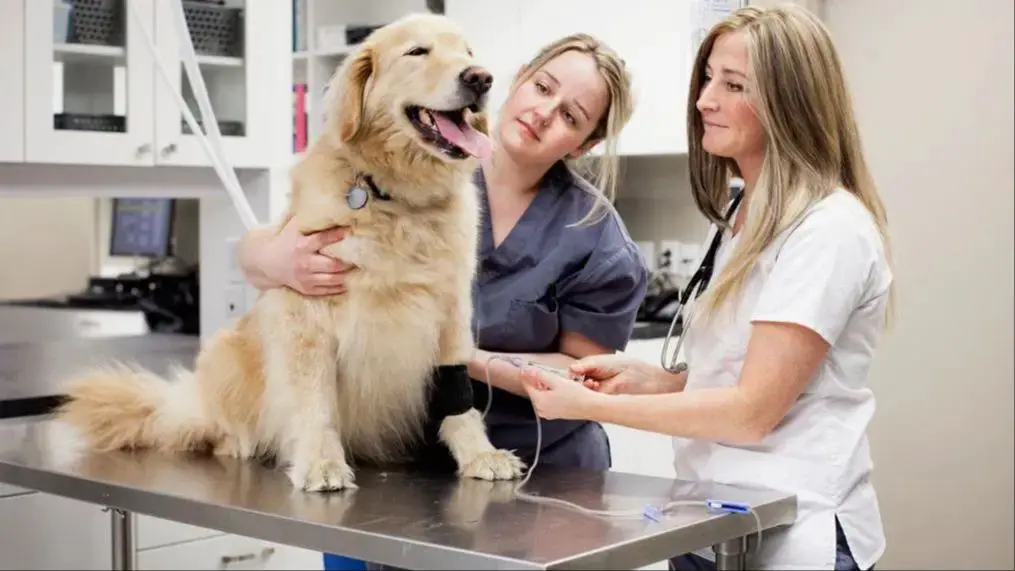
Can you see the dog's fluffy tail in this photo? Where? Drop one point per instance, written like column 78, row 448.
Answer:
column 121, row 407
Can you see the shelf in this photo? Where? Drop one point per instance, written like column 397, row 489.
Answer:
column 89, row 53
column 340, row 51
column 219, row 61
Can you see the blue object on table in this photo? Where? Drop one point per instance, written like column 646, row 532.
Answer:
column 333, row 562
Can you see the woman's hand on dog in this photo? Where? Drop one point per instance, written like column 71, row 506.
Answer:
column 295, row 260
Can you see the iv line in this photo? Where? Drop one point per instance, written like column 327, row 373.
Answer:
column 651, row 512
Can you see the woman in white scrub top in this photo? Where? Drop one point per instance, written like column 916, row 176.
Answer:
column 779, row 345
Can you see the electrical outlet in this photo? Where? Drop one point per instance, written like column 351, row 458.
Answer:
column 234, row 275
column 235, row 300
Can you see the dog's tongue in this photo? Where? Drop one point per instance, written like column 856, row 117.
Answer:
column 470, row 140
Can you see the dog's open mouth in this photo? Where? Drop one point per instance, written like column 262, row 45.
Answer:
column 448, row 132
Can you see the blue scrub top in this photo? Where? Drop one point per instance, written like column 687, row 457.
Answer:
column 545, row 278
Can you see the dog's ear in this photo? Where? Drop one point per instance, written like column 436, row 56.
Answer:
column 351, row 83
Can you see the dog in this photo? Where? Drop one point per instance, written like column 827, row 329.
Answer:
column 321, row 383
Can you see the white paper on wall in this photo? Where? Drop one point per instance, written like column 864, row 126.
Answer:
column 705, row 14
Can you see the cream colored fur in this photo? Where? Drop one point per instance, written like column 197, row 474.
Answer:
column 320, row 382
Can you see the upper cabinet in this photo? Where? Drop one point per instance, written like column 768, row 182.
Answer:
column 88, row 80
column 12, row 70
column 242, row 49
column 95, row 93
column 652, row 36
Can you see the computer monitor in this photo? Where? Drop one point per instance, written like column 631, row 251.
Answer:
column 142, row 227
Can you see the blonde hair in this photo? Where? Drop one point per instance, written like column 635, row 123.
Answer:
column 620, row 107
column 812, row 144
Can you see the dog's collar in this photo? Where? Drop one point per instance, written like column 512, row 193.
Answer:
column 357, row 196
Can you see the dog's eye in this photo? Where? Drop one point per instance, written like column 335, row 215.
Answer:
column 418, row 51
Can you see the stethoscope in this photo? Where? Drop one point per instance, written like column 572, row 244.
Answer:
column 696, row 286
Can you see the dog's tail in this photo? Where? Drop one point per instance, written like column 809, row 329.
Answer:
column 119, row 407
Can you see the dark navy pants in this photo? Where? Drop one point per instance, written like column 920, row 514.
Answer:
column 843, row 557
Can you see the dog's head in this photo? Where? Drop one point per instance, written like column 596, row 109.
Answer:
column 413, row 85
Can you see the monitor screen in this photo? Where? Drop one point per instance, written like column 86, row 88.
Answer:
column 142, row 227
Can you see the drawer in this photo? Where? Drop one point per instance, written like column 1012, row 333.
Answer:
column 155, row 532
column 640, row 452
column 228, row 552
column 41, row 531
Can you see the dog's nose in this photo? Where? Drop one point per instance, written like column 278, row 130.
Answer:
column 476, row 79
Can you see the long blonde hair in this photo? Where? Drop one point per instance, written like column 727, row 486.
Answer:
column 812, row 145
column 620, row 107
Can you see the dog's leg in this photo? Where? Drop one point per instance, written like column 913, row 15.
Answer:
column 462, row 430
column 302, row 376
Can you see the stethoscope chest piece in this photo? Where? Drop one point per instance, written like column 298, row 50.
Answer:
column 357, row 197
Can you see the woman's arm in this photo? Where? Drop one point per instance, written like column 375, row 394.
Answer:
column 253, row 251
column 505, row 376
column 781, row 360
column 271, row 258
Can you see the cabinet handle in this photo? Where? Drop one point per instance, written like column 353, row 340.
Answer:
column 144, row 149
column 168, row 149
column 229, row 559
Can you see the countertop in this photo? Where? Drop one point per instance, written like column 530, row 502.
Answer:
column 410, row 520
column 31, row 371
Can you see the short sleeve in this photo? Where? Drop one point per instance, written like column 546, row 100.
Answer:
column 601, row 302
column 821, row 273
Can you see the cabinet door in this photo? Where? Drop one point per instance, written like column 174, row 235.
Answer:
column 41, row 531
column 88, row 83
column 652, row 38
column 12, row 69
column 244, row 54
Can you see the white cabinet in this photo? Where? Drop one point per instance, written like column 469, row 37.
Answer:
column 12, row 70
column 639, row 451
column 228, row 552
column 93, row 93
column 41, row 531
column 652, row 37
column 237, row 80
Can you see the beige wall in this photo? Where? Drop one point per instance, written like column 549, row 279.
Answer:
column 932, row 83
column 47, row 246
column 52, row 245
column 933, row 89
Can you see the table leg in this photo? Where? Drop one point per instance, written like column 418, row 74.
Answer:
column 122, row 528
column 731, row 555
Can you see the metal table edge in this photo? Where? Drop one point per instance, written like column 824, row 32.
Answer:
column 779, row 513
column 297, row 533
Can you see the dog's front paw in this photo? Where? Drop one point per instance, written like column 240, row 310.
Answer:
column 323, row 474
column 494, row 465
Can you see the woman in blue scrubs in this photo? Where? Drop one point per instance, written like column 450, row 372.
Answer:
column 559, row 278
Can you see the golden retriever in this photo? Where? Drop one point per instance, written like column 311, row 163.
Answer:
column 321, row 382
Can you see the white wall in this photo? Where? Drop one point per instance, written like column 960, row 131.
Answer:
column 932, row 83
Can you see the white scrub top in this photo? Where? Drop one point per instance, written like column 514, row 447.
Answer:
column 828, row 273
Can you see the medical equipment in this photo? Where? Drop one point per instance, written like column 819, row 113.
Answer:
column 696, row 286
column 650, row 512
